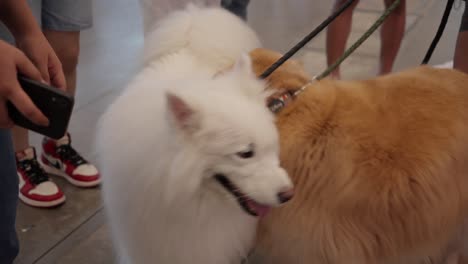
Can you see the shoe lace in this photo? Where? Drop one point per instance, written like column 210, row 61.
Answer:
column 34, row 171
column 70, row 154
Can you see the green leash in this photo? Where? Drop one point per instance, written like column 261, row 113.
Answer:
column 276, row 104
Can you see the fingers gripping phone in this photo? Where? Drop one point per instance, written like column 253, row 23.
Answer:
column 55, row 104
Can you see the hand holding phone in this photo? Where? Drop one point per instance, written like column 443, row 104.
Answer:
column 12, row 62
column 29, row 103
column 55, row 104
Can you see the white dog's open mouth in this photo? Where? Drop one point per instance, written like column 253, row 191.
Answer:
column 250, row 206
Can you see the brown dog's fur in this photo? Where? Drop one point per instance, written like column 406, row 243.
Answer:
column 380, row 168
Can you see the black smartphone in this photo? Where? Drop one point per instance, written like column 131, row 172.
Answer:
column 55, row 104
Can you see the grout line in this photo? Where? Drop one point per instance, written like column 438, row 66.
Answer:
column 91, row 220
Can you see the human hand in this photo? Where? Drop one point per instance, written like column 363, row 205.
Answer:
column 12, row 62
column 38, row 50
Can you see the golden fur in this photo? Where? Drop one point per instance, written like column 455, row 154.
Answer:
column 380, row 168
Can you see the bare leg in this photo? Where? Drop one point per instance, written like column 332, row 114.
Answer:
column 462, row 260
column 392, row 33
column 337, row 35
column 452, row 259
column 67, row 47
column 460, row 61
column 20, row 138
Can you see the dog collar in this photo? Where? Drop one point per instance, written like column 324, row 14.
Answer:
column 277, row 103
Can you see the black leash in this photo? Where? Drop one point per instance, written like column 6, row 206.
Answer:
column 440, row 31
column 305, row 40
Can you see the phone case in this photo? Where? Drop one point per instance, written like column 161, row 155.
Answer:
column 55, row 104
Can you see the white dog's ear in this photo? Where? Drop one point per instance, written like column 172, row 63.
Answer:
column 244, row 65
column 185, row 116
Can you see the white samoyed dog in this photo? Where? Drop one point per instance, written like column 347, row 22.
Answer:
column 189, row 152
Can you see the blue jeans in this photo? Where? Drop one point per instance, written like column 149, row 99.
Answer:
column 238, row 7
column 8, row 199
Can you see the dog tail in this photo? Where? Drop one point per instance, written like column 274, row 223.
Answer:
column 211, row 33
column 154, row 10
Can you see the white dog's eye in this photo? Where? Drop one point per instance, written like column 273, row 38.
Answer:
column 246, row 154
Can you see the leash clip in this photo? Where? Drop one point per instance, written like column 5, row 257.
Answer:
column 277, row 103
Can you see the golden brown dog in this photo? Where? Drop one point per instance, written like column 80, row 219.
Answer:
column 380, row 168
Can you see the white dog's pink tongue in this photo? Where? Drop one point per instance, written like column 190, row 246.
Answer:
column 261, row 210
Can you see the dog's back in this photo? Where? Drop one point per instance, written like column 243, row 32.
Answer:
column 380, row 169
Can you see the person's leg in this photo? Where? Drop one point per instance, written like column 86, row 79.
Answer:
column 8, row 199
column 460, row 61
column 337, row 35
column 20, row 138
column 237, row 7
column 66, row 45
column 62, row 22
column 392, row 33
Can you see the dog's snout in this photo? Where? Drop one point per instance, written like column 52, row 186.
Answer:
column 285, row 195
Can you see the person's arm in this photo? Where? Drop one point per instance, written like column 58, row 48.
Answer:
column 17, row 16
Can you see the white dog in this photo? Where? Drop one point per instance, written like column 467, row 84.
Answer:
column 189, row 156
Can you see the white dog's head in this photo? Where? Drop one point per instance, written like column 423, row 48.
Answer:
column 228, row 136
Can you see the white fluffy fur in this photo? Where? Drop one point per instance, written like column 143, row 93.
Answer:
column 157, row 166
column 154, row 10
column 213, row 35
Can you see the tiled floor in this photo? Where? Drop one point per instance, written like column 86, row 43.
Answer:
column 76, row 232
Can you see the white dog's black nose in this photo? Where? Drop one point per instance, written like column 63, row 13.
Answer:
column 286, row 195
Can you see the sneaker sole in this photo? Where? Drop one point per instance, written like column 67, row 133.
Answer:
column 35, row 203
column 54, row 171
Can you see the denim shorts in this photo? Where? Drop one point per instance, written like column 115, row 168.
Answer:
column 58, row 15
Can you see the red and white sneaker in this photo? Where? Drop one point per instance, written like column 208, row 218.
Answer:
column 36, row 189
column 60, row 158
